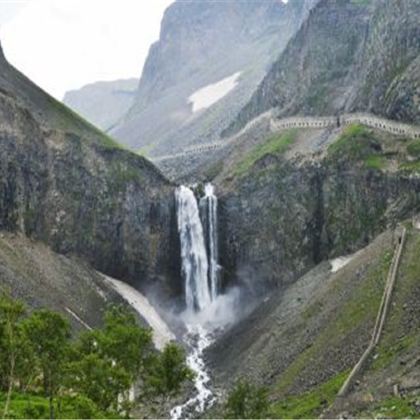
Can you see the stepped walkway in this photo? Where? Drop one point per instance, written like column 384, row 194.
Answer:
column 382, row 314
column 370, row 120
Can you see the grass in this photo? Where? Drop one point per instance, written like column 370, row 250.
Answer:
column 375, row 162
column 392, row 407
column 386, row 353
column 145, row 150
column 67, row 119
column 360, row 307
column 413, row 148
column 357, row 143
column 311, row 403
column 275, row 145
column 351, row 142
column 24, row 406
column 410, row 166
column 397, row 342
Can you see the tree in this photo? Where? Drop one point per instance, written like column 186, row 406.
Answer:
column 99, row 379
column 10, row 313
column 247, row 401
column 109, row 360
column 124, row 341
column 168, row 371
column 49, row 334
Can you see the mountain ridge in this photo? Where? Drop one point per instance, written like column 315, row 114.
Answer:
column 354, row 66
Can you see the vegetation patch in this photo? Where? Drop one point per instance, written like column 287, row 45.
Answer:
column 145, row 150
column 375, row 162
column 358, row 143
column 33, row 406
column 67, row 120
column 358, row 309
column 311, row 403
column 275, row 145
column 44, row 373
column 413, row 148
column 397, row 342
column 410, row 166
column 392, row 408
column 352, row 142
column 386, row 354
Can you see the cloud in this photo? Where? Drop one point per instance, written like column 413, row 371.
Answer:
column 64, row 44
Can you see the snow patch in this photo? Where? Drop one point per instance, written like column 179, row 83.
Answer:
column 161, row 332
column 210, row 94
column 340, row 262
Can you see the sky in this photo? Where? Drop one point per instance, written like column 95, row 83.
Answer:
column 65, row 44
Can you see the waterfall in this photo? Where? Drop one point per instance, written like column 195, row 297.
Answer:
column 193, row 250
column 208, row 208
column 197, row 227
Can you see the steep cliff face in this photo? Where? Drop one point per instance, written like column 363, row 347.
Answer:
column 65, row 183
column 281, row 215
column 203, row 43
column 348, row 56
column 103, row 103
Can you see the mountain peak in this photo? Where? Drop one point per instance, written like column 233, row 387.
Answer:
column 2, row 57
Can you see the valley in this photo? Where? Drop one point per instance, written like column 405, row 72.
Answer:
column 251, row 211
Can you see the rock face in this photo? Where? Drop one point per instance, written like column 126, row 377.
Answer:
column 68, row 185
column 348, row 56
column 103, row 103
column 282, row 216
column 202, row 43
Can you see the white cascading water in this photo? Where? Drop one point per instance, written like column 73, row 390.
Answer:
column 208, row 207
column 200, row 274
column 193, row 250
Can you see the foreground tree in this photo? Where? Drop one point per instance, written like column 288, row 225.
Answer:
column 247, row 401
column 49, row 334
column 11, row 312
column 168, row 371
column 89, row 376
column 108, row 361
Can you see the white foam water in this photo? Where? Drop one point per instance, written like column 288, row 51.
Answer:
column 197, row 339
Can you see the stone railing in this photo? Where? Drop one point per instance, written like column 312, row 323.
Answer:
column 390, row 126
column 370, row 120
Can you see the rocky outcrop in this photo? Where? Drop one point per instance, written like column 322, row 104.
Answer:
column 103, row 103
column 202, row 43
column 68, row 185
column 348, row 56
column 283, row 216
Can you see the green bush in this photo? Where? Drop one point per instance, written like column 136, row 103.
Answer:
column 275, row 145
column 247, row 401
column 413, row 148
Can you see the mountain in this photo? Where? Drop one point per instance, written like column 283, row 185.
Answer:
column 103, row 103
column 69, row 186
column 349, row 55
column 209, row 59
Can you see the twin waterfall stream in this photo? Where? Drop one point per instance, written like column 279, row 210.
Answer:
column 197, row 227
